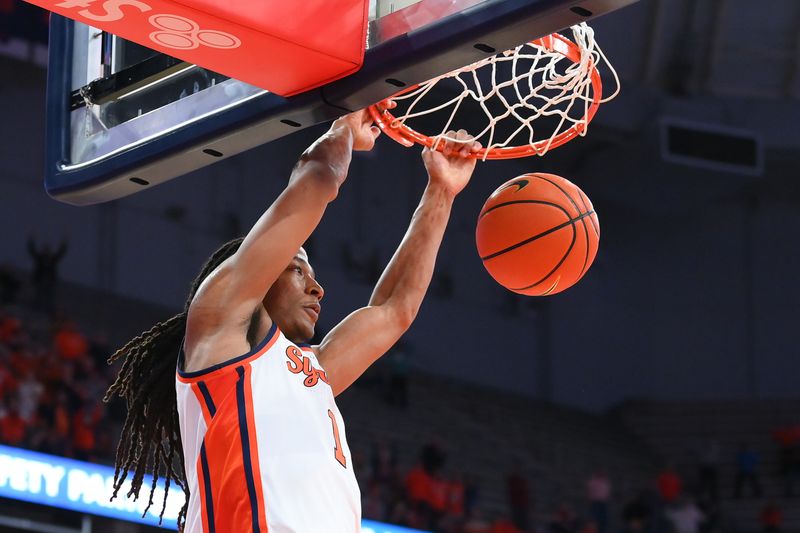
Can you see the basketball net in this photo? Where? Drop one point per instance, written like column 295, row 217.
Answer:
column 548, row 77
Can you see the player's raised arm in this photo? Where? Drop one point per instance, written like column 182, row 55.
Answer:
column 234, row 290
column 361, row 338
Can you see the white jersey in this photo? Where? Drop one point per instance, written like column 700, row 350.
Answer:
column 264, row 445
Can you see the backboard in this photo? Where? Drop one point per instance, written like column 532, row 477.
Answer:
column 122, row 118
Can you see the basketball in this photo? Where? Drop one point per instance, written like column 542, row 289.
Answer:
column 537, row 234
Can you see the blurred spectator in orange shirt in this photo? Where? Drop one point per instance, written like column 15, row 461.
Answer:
column 84, row 426
column 771, row 518
column 10, row 329
column 12, row 426
column 70, row 343
column 8, row 383
column 418, row 485
column 455, row 495
column 669, row 485
column 504, row 525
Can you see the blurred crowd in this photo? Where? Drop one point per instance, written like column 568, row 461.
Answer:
column 435, row 498
column 53, row 377
column 52, row 380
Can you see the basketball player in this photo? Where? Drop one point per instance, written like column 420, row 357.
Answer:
column 255, row 427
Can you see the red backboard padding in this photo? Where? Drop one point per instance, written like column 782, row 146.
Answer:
column 284, row 46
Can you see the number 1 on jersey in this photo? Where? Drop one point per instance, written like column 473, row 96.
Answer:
column 337, row 449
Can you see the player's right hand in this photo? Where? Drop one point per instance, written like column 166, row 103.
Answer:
column 364, row 133
column 450, row 164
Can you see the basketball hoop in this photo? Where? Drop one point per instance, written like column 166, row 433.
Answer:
column 529, row 83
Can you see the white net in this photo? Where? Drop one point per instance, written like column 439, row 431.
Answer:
column 520, row 102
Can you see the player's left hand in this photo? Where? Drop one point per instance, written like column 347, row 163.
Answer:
column 452, row 167
column 364, row 133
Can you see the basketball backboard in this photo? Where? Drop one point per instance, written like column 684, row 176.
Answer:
column 123, row 118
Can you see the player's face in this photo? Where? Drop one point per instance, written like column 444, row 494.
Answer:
column 293, row 301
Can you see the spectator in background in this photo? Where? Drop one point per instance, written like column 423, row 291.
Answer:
column 437, row 500
column 45, row 274
column 788, row 440
column 471, row 495
column 13, row 429
column 8, row 382
column 746, row 462
column 685, row 516
column 518, row 496
column 9, row 286
column 456, row 496
column 598, row 491
column 669, row 485
column 90, row 383
column 84, row 429
column 504, row 525
column 433, row 457
column 712, row 522
column 402, row 514
column 476, row 523
column 383, row 462
column 418, row 489
column 54, row 424
column 100, row 349
column 29, row 390
column 22, row 359
column 10, row 331
column 427, row 492
column 636, row 515
column 70, row 343
column 771, row 518
column 372, row 502
column 564, row 520
column 708, row 471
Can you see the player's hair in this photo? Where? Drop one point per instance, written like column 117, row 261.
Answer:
column 150, row 439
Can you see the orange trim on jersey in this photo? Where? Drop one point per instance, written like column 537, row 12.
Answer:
column 254, row 462
column 226, row 467
column 229, row 365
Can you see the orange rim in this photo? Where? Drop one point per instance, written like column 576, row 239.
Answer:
column 408, row 136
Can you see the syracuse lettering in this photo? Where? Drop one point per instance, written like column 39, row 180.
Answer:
column 300, row 363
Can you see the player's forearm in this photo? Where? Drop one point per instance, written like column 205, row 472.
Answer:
column 408, row 275
column 326, row 162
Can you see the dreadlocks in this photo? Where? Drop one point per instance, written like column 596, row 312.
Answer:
column 151, row 439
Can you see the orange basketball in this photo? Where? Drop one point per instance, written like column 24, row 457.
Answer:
column 537, row 234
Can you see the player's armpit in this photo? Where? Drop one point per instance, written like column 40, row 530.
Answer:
column 358, row 341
